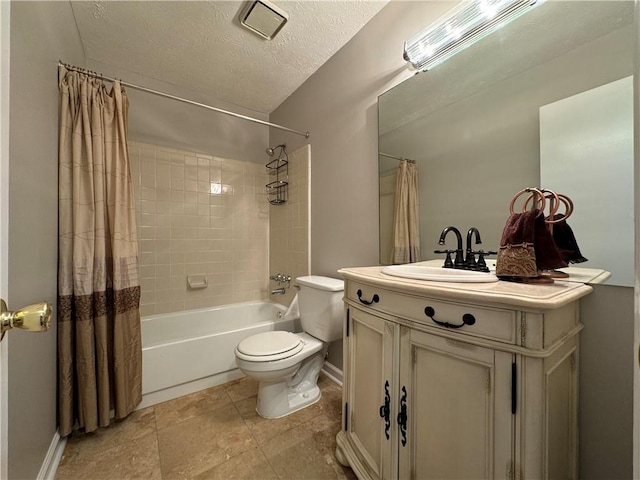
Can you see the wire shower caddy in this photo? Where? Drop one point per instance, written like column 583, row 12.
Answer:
column 278, row 171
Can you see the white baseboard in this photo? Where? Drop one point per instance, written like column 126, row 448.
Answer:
column 164, row 395
column 333, row 372
column 52, row 458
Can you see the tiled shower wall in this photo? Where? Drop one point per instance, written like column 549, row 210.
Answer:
column 199, row 215
column 289, row 225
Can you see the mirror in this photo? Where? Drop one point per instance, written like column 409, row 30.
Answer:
column 472, row 124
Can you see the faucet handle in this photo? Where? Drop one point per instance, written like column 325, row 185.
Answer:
column 481, row 264
column 448, row 263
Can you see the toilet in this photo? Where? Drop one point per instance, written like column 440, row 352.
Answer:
column 287, row 364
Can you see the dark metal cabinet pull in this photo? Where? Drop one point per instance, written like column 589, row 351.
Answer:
column 385, row 410
column 467, row 319
column 402, row 416
column 374, row 299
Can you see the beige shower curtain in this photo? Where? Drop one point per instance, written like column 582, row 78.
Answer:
column 99, row 347
column 406, row 225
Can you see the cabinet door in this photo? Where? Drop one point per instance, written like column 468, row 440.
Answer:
column 369, row 361
column 458, row 409
column 549, row 441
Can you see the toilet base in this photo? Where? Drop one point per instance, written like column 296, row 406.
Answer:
column 278, row 399
column 294, row 402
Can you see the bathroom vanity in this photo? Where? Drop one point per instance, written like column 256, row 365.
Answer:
column 459, row 380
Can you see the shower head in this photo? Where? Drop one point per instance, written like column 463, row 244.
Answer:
column 271, row 150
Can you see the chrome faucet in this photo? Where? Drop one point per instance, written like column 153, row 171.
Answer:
column 281, row 278
column 459, row 261
column 278, row 291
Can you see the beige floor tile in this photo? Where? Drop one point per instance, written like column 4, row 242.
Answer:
column 297, row 455
column 242, row 388
column 249, row 465
column 206, row 436
column 264, row 429
column 83, row 447
column 201, row 443
column 183, row 408
column 134, row 459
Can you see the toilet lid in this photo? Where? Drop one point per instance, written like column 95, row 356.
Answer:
column 270, row 345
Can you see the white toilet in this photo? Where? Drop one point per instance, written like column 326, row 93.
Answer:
column 287, row 364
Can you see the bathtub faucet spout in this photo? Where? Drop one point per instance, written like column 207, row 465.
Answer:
column 278, row 291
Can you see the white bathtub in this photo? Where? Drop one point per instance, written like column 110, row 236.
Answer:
column 184, row 352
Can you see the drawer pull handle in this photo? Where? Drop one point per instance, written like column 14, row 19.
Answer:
column 375, row 298
column 402, row 416
column 467, row 319
column 385, row 410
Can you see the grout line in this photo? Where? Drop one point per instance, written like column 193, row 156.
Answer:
column 155, row 421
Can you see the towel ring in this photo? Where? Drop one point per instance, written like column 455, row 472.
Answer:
column 568, row 205
column 534, row 192
column 553, row 204
column 556, row 200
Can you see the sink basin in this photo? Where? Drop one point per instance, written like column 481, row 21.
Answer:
column 438, row 274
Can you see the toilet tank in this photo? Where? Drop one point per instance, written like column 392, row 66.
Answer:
column 321, row 308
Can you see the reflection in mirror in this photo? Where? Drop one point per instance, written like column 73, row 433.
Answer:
column 473, row 126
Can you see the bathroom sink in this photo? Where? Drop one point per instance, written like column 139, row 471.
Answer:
column 438, row 274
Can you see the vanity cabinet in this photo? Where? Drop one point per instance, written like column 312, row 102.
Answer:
column 459, row 381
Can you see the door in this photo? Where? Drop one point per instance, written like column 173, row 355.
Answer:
column 369, row 360
column 5, row 8
column 457, row 399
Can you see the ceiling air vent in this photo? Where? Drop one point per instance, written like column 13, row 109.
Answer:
column 264, row 18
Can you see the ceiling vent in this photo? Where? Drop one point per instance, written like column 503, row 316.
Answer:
column 264, row 18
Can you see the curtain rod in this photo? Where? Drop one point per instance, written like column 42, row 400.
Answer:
column 396, row 158
column 184, row 100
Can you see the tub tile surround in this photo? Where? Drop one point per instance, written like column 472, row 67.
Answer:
column 213, row 434
column 289, row 225
column 199, row 215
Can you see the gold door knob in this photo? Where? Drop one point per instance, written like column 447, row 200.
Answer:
column 33, row 318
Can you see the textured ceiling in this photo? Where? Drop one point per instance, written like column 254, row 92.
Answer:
column 201, row 45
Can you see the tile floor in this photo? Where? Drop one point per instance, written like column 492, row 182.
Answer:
column 213, row 434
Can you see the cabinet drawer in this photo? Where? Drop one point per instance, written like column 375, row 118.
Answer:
column 490, row 323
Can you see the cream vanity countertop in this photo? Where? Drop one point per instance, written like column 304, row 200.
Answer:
column 535, row 297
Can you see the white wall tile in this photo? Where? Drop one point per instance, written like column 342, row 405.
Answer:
column 183, row 229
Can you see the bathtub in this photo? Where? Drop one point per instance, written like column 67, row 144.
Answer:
column 184, row 352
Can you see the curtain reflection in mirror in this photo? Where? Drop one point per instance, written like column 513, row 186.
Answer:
column 406, row 224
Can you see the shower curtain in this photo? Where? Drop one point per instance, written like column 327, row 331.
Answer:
column 406, row 226
column 99, row 344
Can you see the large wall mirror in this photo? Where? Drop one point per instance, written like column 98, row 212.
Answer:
column 544, row 101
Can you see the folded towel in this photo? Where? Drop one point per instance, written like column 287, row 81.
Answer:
column 527, row 246
column 547, row 254
column 565, row 240
column 519, row 228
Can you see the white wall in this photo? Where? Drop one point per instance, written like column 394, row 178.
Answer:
column 594, row 128
column 166, row 122
column 338, row 106
column 41, row 33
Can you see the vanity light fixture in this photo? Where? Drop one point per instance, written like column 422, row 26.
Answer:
column 460, row 28
column 263, row 18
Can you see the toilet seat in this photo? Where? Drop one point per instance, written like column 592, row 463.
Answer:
column 269, row 346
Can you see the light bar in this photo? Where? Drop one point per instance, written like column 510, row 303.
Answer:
column 460, row 28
